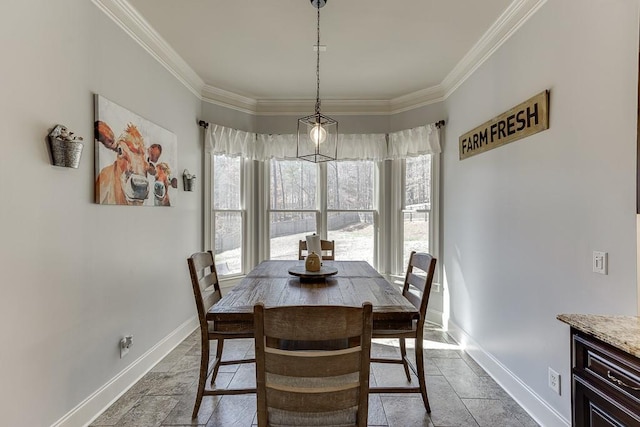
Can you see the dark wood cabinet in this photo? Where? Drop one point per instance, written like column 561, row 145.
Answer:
column 605, row 384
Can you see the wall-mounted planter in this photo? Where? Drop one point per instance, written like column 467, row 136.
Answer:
column 66, row 149
column 189, row 181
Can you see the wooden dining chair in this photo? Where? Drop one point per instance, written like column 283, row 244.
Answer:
column 417, row 286
column 327, row 246
column 312, row 387
column 206, row 290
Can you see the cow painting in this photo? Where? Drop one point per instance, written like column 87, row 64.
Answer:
column 134, row 158
column 125, row 182
column 163, row 180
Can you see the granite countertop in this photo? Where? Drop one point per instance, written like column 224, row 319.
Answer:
column 622, row 332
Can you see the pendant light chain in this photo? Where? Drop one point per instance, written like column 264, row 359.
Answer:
column 318, row 66
column 317, row 134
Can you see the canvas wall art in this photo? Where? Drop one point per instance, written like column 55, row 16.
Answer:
column 135, row 159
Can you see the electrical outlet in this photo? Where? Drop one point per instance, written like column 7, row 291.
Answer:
column 125, row 345
column 554, row 380
column 600, row 261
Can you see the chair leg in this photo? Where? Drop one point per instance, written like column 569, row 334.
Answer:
column 204, row 369
column 421, row 377
column 403, row 354
column 216, row 364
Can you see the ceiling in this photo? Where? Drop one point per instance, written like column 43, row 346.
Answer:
column 258, row 55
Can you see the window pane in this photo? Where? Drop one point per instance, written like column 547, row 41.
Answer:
column 293, row 184
column 226, row 182
column 353, row 234
column 287, row 229
column 417, row 197
column 418, row 182
column 228, row 241
column 416, row 234
column 350, row 185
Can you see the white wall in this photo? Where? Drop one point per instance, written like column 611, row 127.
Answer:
column 76, row 276
column 521, row 221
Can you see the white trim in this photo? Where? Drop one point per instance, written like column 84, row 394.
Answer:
column 224, row 98
column 430, row 95
column 90, row 408
column 505, row 26
column 538, row 408
column 346, row 107
column 134, row 24
column 434, row 316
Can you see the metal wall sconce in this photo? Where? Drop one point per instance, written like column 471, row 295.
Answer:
column 189, row 180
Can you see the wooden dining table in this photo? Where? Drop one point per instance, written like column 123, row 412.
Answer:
column 271, row 284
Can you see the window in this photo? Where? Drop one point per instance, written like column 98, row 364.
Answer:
column 350, row 209
column 292, row 205
column 227, row 215
column 416, row 206
column 378, row 209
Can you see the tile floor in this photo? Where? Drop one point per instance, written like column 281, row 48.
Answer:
column 460, row 392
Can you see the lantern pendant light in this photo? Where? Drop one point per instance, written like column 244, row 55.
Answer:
column 317, row 133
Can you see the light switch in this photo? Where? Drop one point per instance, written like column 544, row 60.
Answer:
column 600, row 262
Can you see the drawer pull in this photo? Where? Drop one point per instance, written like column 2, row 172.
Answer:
column 620, row 382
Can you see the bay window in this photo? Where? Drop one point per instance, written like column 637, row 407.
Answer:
column 293, row 209
column 351, row 209
column 227, row 215
column 378, row 202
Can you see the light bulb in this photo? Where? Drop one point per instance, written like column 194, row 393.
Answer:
column 318, row 134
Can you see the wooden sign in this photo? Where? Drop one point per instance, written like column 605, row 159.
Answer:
column 528, row 118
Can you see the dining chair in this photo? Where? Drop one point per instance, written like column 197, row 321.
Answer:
column 206, row 290
column 327, row 246
column 320, row 387
column 417, row 286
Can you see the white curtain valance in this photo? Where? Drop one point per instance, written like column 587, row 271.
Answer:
column 405, row 143
column 232, row 142
column 278, row 146
column 414, row 142
column 358, row 146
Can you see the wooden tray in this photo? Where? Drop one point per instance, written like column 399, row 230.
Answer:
column 299, row 270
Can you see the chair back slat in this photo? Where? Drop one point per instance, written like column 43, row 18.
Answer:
column 327, row 247
column 303, row 363
column 414, row 299
column 291, row 323
column 204, row 280
column 417, row 284
column 313, row 383
column 422, row 261
column 417, row 281
column 327, row 401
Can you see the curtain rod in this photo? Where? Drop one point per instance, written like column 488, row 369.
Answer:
column 205, row 125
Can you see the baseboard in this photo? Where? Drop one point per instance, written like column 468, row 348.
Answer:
column 89, row 409
column 535, row 406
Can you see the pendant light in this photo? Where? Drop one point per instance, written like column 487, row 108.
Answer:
column 317, row 133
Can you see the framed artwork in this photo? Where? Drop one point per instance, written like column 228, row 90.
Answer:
column 135, row 159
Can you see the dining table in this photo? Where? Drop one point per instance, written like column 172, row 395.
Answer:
column 272, row 284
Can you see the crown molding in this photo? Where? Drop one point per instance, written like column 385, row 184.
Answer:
column 505, row 26
column 224, row 98
column 344, row 107
column 423, row 97
column 137, row 27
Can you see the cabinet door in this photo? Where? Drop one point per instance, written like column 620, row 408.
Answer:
column 593, row 408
